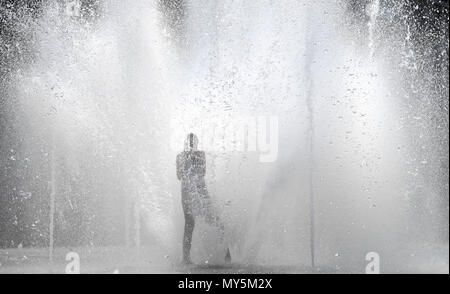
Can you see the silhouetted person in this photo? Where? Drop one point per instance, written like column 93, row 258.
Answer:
column 191, row 169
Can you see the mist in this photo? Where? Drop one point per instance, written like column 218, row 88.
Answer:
column 105, row 101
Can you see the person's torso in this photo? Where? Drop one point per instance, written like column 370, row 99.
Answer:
column 193, row 165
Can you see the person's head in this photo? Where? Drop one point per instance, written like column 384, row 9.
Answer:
column 191, row 143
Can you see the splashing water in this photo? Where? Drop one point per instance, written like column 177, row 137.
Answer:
column 373, row 11
column 119, row 94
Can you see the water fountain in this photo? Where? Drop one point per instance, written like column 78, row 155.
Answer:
column 108, row 101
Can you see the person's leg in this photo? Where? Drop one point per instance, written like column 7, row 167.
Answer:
column 189, row 223
column 213, row 219
column 211, row 216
